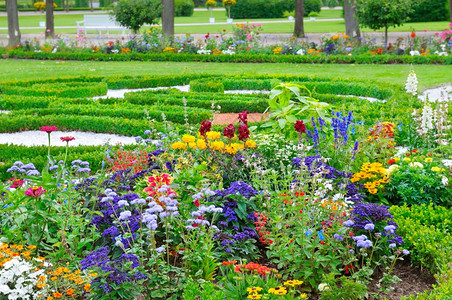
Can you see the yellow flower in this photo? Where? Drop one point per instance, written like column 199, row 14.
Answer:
column 192, row 145
column 213, row 135
column 178, row 145
column 231, row 149
column 293, row 283
column 428, row 160
column 250, row 144
column 188, row 138
column 397, row 159
column 303, row 296
column 254, row 296
column 201, row 144
column 254, row 290
column 437, row 169
column 217, row 145
column 279, row 290
column 277, row 50
column 407, row 159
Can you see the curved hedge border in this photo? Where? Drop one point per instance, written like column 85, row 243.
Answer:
column 236, row 58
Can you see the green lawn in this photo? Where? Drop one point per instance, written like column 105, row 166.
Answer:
column 428, row 75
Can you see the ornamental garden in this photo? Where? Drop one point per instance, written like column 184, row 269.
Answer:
column 226, row 185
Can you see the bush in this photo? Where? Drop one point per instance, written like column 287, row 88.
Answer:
column 183, row 8
column 429, row 10
column 312, row 6
column 260, row 9
column 135, row 13
column 206, row 86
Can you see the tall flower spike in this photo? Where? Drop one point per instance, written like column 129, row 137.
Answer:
column 411, row 83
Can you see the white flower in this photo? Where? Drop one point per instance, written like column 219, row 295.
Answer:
column 411, row 83
column 116, row 51
column 427, row 119
column 447, row 163
column 301, row 52
column 414, row 53
column 392, row 169
column 203, row 51
column 445, row 181
column 323, row 286
column 416, row 165
column 441, row 53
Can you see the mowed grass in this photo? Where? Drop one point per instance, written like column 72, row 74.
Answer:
column 428, row 75
column 220, row 17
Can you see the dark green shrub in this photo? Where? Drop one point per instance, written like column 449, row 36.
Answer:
column 183, row 8
column 206, row 86
column 260, row 8
column 429, row 10
column 312, row 6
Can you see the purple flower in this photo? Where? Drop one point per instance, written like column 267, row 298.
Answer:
column 348, row 223
column 369, row 226
column 405, row 252
column 338, row 237
column 393, row 245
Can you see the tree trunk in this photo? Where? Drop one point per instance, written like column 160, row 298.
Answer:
column 91, row 5
column 50, row 26
column 299, row 15
column 168, row 17
column 13, row 22
column 386, row 38
column 351, row 23
column 450, row 10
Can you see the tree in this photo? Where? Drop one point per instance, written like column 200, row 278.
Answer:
column 450, row 10
column 13, row 22
column 351, row 23
column 168, row 17
column 50, row 25
column 377, row 14
column 299, row 14
column 135, row 13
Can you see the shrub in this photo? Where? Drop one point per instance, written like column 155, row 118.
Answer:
column 206, row 86
column 260, row 9
column 135, row 13
column 183, row 8
column 429, row 10
column 312, row 6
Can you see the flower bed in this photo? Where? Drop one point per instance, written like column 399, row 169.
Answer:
column 314, row 202
column 245, row 44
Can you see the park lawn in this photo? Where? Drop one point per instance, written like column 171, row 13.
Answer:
column 198, row 17
column 287, row 27
column 428, row 75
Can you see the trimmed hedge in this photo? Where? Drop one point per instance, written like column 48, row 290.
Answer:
column 183, row 8
column 206, row 86
column 238, row 58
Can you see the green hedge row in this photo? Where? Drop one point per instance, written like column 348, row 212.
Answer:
column 69, row 89
column 430, row 244
column 208, row 86
column 238, row 58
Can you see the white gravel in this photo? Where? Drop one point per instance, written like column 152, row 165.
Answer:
column 370, row 99
column 437, row 93
column 39, row 138
column 120, row 93
column 247, row 92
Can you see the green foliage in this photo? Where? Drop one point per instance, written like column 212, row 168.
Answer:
column 206, row 86
column 73, row 89
column 183, row 8
column 260, row 9
column 135, row 13
column 377, row 14
column 429, row 10
column 250, row 58
column 205, row 291
column 342, row 287
column 428, row 215
column 287, row 105
column 312, row 6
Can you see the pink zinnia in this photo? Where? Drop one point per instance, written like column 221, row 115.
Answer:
column 35, row 191
column 49, row 129
column 67, row 138
column 16, row 183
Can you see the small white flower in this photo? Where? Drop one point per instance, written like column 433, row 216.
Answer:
column 411, row 83
column 323, row 286
column 445, row 181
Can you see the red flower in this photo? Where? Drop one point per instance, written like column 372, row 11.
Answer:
column 413, row 35
column 229, row 131
column 224, row 30
column 391, row 161
column 232, row 262
column 49, row 129
column 300, row 127
column 16, row 183
column 35, row 191
column 206, row 125
column 243, row 117
column 67, row 138
column 244, row 133
column 408, row 154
